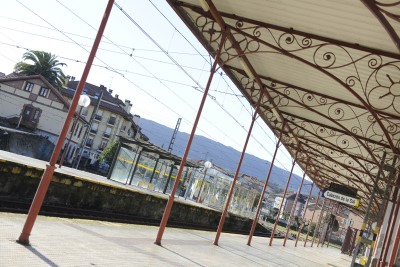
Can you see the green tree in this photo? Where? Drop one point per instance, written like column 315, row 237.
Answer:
column 107, row 154
column 43, row 63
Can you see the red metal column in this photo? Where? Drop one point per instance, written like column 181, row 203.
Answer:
column 284, row 195
column 255, row 220
column 304, row 214
column 294, row 207
column 391, row 224
column 332, row 213
column 228, row 199
column 171, row 198
column 312, row 218
column 48, row 173
column 319, row 221
column 395, row 245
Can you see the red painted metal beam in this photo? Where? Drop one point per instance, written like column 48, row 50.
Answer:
column 171, row 198
column 283, row 198
column 294, row 31
column 259, row 206
column 312, row 218
column 316, row 229
column 385, row 23
column 304, row 214
column 50, row 168
column 294, row 207
column 228, row 199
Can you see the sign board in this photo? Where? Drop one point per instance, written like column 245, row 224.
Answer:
column 352, row 201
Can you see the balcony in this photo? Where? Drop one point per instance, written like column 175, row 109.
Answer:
column 111, row 121
column 93, row 131
column 107, row 135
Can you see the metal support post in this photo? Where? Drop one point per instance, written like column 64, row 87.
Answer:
column 48, row 173
column 154, row 170
column 69, row 138
column 316, row 229
column 304, row 214
column 331, row 227
column 283, row 198
column 232, row 187
column 312, row 218
column 255, row 220
column 169, row 178
column 170, row 202
column 368, row 209
column 202, row 184
column 294, row 205
column 381, row 215
column 114, row 161
column 87, row 131
column 321, row 236
column 135, row 168
column 386, row 241
column 396, row 202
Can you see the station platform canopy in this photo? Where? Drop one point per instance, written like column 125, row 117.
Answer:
column 323, row 75
column 160, row 153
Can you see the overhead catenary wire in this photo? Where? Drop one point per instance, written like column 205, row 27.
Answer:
column 112, row 69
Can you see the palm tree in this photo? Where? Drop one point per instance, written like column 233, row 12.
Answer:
column 45, row 64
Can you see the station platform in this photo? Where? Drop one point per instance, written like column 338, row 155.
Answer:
column 74, row 242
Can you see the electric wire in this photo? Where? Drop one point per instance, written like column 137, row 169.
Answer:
column 111, row 69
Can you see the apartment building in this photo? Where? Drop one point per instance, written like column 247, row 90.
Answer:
column 107, row 117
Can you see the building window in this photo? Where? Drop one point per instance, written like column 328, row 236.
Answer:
column 80, row 131
column 36, row 115
column 44, row 91
column 28, row 86
column 30, row 116
column 76, row 129
column 84, row 111
column 98, row 115
column 89, row 142
column 103, row 144
column 94, row 128
column 108, row 131
column 112, row 120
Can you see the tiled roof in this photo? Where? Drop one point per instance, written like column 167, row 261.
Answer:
column 91, row 90
column 15, row 77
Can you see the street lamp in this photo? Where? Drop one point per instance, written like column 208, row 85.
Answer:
column 207, row 165
column 84, row 101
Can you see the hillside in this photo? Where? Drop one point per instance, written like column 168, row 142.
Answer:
column 221, row 155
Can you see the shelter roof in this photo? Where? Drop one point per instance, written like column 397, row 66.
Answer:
column 152, row 148
column 323, row 75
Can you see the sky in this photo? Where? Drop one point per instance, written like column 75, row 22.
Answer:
column 147, row 55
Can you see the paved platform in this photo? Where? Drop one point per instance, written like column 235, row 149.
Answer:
column 73, row 242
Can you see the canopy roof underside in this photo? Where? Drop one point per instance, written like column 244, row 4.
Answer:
column 325, row 74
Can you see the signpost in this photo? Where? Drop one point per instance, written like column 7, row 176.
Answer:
column 341, row 194
column 341, row 198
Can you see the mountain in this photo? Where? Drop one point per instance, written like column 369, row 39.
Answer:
column 224, row 156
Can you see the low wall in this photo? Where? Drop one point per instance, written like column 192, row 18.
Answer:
column 26, row 144
column 19, row 183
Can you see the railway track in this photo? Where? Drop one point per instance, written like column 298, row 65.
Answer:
column 68, row 212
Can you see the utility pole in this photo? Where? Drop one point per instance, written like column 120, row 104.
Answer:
column 89, row 127
column 170, row 146
column 171, row 143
